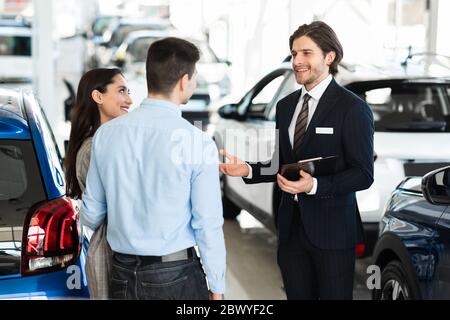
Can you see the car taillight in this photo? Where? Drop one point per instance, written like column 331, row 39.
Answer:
column 51, row 237
column 360, row 249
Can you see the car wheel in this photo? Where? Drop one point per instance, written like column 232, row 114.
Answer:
column 395, row 284
column 230, row 210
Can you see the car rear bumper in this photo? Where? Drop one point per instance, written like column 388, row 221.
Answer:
column 69, row 283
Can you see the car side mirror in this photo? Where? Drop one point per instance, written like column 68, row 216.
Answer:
column 230, row 111
column 436, row 187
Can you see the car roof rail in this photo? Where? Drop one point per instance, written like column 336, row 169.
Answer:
column 433, row 56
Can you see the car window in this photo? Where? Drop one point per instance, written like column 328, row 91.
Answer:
column 289, row 85
column 261, row 100
column 49, row 138
column 409, row 107
column 53, row 154
column 13, row 179
column 267, row 93
column 20, row 189
column 15, row 46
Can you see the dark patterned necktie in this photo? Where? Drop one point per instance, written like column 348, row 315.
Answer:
column 301, row 124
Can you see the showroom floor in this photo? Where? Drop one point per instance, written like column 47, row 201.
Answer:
column 253, row 273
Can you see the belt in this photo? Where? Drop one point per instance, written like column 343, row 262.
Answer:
column 176, row 256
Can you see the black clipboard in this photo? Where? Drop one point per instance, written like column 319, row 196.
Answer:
column 316, row 167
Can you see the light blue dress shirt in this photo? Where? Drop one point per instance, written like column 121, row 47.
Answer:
column 157, row 178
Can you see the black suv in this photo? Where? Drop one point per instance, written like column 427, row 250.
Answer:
column 413, row 248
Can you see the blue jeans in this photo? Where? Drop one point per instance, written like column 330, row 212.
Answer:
column 135, row 279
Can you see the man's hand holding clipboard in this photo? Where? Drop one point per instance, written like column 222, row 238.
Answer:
column 298, row 177
column 316, row 167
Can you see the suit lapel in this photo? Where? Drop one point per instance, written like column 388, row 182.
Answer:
column 285, row 122
column 326, row 104
column 292, row 105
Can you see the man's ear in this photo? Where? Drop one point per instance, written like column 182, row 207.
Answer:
column 184, row 82
column 330, row 58
column 97, row 96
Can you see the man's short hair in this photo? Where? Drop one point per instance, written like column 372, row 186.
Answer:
column 325, row 38
column 168, row 60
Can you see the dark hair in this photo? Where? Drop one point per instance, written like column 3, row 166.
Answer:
column 85, row 121
column 167, row 61
column 325, row 38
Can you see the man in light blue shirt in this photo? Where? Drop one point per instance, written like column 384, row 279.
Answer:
column 156, row 177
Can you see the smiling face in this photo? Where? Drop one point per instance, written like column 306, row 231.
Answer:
column 116, row 101
column 311, row 65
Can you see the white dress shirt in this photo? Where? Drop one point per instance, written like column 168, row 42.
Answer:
column 316, row 93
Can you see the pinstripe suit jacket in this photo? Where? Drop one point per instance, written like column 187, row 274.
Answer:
column 331, row 217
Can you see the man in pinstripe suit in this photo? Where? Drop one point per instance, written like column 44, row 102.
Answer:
column 318, row 222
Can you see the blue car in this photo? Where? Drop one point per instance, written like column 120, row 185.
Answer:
column 413, row 249
column 42, row 247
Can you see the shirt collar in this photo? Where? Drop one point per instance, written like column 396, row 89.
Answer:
column 161, row 104
column 317, row 92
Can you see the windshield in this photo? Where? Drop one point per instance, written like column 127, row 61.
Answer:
column 413, row 184
column 15, row 46
column 408, row 107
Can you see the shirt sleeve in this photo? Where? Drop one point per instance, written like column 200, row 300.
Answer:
column 250, row 170
column 314, row 189
column 93, row 207
column 207, row 220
